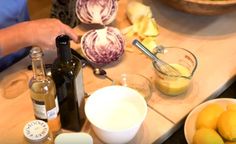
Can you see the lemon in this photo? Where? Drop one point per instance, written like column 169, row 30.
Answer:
column 209, row 115
column 231, row 106
column 227, row 125
column 207, row 136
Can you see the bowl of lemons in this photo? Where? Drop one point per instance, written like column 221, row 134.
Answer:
column 203, row 7
column 212, row 122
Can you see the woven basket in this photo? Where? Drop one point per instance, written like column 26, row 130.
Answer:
column 203, row 7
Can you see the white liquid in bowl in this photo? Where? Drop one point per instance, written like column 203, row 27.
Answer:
column 117, row 116
column 116, row 113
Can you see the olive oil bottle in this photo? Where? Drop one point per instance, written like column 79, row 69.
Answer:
column 43, row 93
column 67, row 75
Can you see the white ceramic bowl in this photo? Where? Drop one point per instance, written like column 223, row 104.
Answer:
column 116, row 113
column 190, row 122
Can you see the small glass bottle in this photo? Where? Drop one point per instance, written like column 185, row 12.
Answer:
column 43, row 93
column 37, row 132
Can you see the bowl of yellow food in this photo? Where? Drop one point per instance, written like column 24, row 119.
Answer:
column 183, row 61
column 203, row 7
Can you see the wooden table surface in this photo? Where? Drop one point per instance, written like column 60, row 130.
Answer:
column 210, row 38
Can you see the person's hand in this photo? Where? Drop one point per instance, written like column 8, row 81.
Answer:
column 43, row 32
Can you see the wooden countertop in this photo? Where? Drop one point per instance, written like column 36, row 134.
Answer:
column 210, row 38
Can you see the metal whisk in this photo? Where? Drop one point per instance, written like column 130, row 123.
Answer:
column 163, row 66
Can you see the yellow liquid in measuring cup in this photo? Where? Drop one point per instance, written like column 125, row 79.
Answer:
column 174, row 86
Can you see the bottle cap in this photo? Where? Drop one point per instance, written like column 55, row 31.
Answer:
column 36, row 131
column 62, row 40
column 36, row 52
column 63, row 47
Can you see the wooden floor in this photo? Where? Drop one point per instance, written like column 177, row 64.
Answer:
column 39, row 8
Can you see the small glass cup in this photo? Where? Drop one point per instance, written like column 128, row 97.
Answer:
column 182, row 60
column 137, row 82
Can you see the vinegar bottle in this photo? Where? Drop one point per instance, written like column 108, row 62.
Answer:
column 67, row 74
column 43, row 93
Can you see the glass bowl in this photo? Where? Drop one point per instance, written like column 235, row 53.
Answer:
column 135, row 81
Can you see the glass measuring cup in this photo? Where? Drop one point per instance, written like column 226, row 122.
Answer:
column 182, row 60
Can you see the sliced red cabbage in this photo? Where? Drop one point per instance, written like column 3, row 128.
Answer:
column 96, row 11
column 103, row 46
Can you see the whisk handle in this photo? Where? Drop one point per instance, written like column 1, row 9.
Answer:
column 145, row 50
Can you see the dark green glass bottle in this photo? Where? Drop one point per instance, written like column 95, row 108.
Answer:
column 67, row 75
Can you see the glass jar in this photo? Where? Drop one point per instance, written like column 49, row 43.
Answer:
column 37, row 132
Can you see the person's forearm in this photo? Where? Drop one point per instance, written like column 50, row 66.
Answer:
column 14, row 37
column 41, row 33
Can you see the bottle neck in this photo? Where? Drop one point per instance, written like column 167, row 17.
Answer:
column 63, row 48
column 38, row 69
column 37, row 64
column 64, row 54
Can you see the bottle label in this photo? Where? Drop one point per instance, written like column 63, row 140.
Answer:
column 51, row 114
column 79, row 88
column 39, row 109
column 57, row 105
